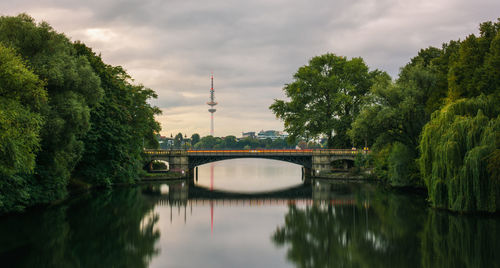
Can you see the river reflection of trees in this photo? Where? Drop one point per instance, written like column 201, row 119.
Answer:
column 103, row 229
column 383, row 229
column 460, row 241
column 345, row 225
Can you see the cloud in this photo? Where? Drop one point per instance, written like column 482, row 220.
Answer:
column 253, row 47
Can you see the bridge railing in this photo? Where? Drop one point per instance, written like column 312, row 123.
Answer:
column 250, row 152
column 157, row 152
column 337, row 151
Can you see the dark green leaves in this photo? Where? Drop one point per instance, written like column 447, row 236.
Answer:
column 85, row 114
column 21, row 98
column 325, row 97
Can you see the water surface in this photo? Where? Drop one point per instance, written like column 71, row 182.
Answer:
column 289, row 224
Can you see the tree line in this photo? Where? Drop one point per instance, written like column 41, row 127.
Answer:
column 436, row 126
column 66, row 117
column 181, row 141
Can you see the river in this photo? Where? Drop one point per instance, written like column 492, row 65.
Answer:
column 248, row 213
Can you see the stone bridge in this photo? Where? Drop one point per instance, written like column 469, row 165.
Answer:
column 313, row 161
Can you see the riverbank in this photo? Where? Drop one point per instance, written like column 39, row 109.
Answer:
column 77, row 188
column 162, row 176
column 347, row 175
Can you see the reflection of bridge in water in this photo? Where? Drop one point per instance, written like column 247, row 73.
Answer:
column 261, row 202
column 301, row 191
column 181, row 194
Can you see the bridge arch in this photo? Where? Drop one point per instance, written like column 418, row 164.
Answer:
column 195, row 161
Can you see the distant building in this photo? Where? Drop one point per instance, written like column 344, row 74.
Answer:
column 248, row 134
column 165, row 143
column 271, row 134
column 283, row 135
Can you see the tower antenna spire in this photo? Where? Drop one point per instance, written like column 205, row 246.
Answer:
column 212, row 103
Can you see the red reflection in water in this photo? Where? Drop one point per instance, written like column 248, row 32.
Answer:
column 211, row 176
column 211, row 202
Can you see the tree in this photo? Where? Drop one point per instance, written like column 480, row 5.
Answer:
column 178, row 140
column 281, row 144
column 21, row 98
column 459, row 146
column 73, row 89
column 121, row 124
column 230, row 142
column 456, row 147
column 195, row 138
column 86, row 120
column 325, row 97
column 207, row 142
column 394, row 114
column 252, row 143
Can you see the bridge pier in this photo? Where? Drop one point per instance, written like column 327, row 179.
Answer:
column 307, row 180
column 320, row 162
column 190, row 176
column 307, row 172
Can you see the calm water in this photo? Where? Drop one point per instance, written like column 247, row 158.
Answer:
column 248, row 214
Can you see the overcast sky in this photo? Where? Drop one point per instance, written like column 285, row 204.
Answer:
column 253, row 47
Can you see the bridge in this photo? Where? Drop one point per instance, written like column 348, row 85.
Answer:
column 313, row 161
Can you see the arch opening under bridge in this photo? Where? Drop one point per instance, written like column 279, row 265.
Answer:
column 195, row 161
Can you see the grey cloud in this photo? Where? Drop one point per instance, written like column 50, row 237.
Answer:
column 253, row 47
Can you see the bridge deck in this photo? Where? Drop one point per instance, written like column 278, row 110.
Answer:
column 254, row 152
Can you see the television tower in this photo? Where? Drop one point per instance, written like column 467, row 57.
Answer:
column 212, row 103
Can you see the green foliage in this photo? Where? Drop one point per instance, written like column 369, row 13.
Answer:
column 362, row 160
column 72, row 89
column 475, row 68
column 325, row 97
column 19, row 137
column 459, row 146
column 88, row 116
column 207, row 142
column 455, row 148
column 381, row 162
column 21, row 98
column 493, row 162
column 178, row 140
column 121, row 124
column 394, row 114
column 230, row 142
column 398, row 111
column 403, row 170
column 195, row 138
